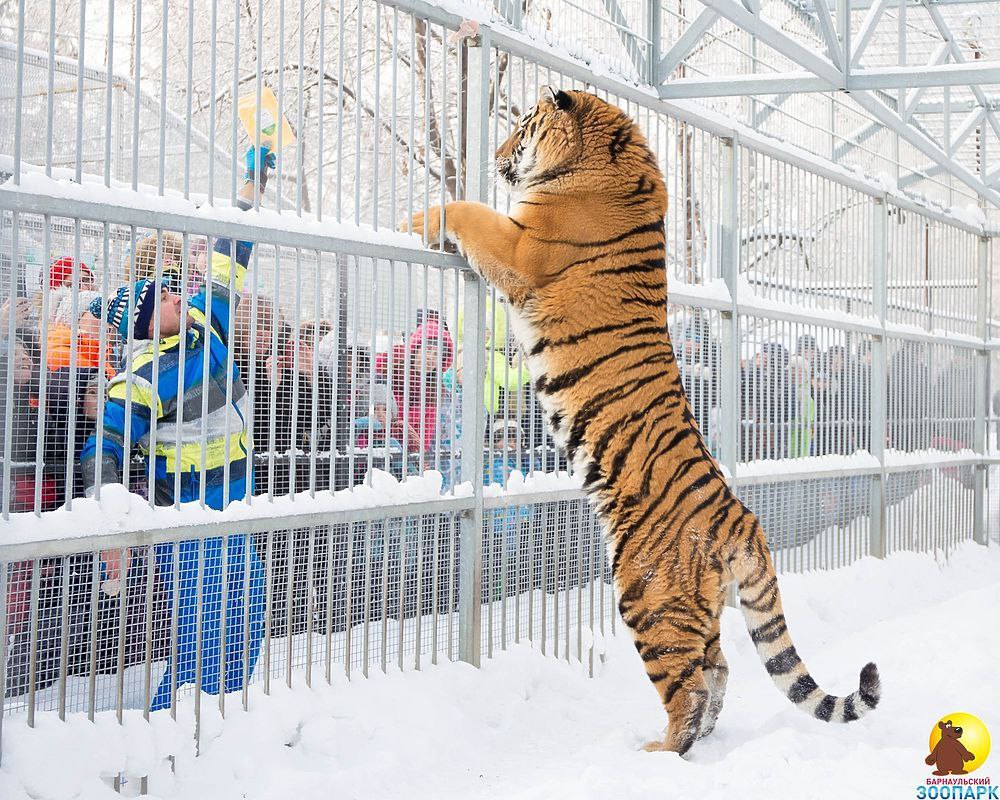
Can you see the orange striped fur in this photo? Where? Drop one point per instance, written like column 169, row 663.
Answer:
column 581, row 259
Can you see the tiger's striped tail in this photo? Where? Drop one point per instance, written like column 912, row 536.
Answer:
column 765, row 619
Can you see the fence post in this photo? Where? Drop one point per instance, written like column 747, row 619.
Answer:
column 879, row 405
column 654, row 33
column 729, row 320
column 729, row 267
column 474, row 292
column 3, row 647
column 979, row 531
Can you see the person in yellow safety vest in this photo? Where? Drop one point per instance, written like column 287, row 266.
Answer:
column 158, row 404
column 503, row 377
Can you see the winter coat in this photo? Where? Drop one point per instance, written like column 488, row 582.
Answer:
column 801, row 432
column 59, row 348
column 199, row 565
column 418, row 391
column 502, row 377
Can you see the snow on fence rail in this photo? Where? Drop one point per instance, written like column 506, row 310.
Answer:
column 386, row 492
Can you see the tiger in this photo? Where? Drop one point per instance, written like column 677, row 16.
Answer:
column 581, row 260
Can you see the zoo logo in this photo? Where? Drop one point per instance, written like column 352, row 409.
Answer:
column 959, row 744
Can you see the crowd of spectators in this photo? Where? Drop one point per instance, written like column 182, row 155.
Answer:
column 169, row 376
column 236, row 399
column 803, row 401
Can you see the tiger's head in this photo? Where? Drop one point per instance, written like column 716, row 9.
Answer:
column 567, row 131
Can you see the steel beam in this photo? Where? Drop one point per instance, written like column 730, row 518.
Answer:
column 741, row 85
column 864, row 5
column 927, row 171
column 867, row 29
column 863, row 134
column 688, row 40
column 963, row 74
column 938, row 57
column 929, row 107
column 777, row 40
column 959, row 56
column 968, row 125
column 922, row 143
column 765, row 110
column 829, row 34
column 861, row 80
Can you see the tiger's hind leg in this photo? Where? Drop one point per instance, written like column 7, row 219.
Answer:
column 687, row 707
column 673, row 651
column 716, row 672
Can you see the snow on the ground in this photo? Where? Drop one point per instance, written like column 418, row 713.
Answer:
column 531, row 726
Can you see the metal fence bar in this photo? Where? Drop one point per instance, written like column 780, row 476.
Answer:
column 982, row 361
column 729, row 255
column 879, row 361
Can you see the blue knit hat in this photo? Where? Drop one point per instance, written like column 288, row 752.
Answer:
column 116, row 311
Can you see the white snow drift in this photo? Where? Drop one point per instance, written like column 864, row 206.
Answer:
column 529, row 726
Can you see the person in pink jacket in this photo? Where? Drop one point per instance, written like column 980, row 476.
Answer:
column 416, row 386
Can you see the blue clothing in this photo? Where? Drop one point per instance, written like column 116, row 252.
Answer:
column 240, row 648
column 191, row 451
column 507, row 519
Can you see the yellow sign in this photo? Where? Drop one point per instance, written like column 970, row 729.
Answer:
column 959, row 744
column 269, row 118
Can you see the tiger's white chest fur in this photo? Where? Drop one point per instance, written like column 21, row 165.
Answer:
column 559, row 419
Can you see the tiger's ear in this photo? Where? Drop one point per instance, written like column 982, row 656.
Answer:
column 557, row 97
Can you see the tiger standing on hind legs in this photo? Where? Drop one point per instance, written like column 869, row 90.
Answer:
column 581, row 259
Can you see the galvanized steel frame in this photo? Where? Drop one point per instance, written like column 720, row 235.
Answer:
column 840, row 70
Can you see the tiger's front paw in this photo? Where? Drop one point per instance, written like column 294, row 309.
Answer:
column 428, row 225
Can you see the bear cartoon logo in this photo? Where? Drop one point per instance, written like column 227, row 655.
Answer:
column 949, row 754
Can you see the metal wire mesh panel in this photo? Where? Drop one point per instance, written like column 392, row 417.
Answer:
column 343, row 363
column 58, row 97
column 376, row 134
column 805, row 390
column 929, row 509
column 813, row 524
column 546, row 579
column 993, row 503
column 805, row 239
column 932, row 273
column 129, row 628
column 697, row 347
column 359, row 596
column 612, row 34
column 77, row 644
column 931, row 397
